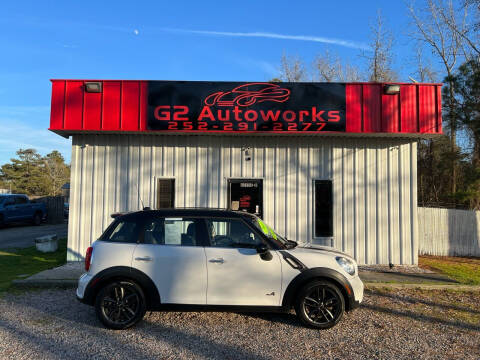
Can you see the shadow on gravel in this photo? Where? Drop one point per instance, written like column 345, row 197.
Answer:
column 84, row 316
column 420, row 317
column 66, row 346
column 201, row 346
column 413, row 300
column 281, row 318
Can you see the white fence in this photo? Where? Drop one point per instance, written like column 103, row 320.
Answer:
column 448, row 232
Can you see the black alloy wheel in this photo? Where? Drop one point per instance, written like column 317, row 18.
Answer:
column 320, row 304
column 120, row 304
column 37, row 219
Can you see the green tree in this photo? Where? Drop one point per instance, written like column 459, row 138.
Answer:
column 57, row 173
column 24, row 174
column 434, row 159
column 465, row 84
column 32, row 174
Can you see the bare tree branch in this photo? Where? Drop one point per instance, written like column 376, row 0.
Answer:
column 329, row 67
column 380, row 55
column 292, row 69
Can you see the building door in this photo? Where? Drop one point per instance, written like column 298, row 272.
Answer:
column 246, row 195
column 165, row 193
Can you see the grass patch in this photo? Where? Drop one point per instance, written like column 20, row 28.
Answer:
column 464, row 270
column 452, row 306
column 21, row 263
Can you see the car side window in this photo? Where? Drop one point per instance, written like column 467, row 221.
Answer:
column 174, row 231
column 124, row 231
column 20, row 200
column 9, row 201
column 232, row 233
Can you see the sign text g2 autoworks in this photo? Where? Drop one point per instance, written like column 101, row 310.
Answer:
column 245, row 107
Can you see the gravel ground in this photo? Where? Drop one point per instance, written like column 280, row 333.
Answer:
column 404, row 324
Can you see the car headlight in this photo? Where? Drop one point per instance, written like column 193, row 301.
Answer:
column 347, row 264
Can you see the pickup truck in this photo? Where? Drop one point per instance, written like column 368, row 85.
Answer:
column 17, row 208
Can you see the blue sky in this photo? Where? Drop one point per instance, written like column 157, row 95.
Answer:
column 171, row 40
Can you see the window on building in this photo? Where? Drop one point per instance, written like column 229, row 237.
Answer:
column 165, row 193
column 172, row 231
column 232, row 233
column 323, row 208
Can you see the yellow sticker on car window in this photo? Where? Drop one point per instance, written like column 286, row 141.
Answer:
column 263, row 226
column 272, row 232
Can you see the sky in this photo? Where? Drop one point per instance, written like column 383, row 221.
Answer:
column 165, row 40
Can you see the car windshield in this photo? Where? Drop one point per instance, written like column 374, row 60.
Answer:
column 267, row 230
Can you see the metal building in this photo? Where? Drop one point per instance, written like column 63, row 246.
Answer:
column 349, row 183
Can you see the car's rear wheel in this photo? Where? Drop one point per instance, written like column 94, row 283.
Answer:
column 320, row 304
column 120, row 304
column 37, row 219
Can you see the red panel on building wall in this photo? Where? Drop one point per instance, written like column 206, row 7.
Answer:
column 371, row 108
column 111, row 105
column 354, row 108
column 122, row 107
column 439, row 109
column 143, row 105
column 130, row 106
column 73, row 105
column 58, row 105
column 427, row 114
column 390, row 116
column 92, row 111
column 408, row 109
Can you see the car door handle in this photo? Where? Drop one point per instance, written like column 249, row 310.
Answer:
column 218, row 260
column 146, row 258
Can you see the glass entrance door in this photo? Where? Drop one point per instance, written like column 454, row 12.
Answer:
column 246, row 195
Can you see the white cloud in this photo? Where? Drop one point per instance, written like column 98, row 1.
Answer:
column 25, row 127
column 268, row 68
column 268, row 35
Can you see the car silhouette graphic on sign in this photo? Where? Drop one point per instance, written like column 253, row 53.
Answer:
column 248, row 94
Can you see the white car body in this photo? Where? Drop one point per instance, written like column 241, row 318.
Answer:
column 219, row 276
column 184, row 272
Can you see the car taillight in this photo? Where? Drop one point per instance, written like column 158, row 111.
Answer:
column 88, row 258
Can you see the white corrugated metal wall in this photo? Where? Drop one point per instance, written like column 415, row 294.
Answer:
column 374, row 185
column 448, row 232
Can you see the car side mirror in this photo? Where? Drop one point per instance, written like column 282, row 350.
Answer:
column 264, row 253
column 261, row 249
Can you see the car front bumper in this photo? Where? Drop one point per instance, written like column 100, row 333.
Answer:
column 82, row 286
column 357, row 288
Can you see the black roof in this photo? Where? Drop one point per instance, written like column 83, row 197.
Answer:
column 207, row 212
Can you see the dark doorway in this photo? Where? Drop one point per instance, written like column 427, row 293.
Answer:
column 165, row 193
column 246, row 195
column 323, row 208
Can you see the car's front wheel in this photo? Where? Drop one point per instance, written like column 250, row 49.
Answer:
column 120, row 304
column 320, row 304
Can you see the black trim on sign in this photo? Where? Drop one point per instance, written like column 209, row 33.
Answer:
column 293, row 261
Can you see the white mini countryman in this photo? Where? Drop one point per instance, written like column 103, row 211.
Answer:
column 212, row 260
